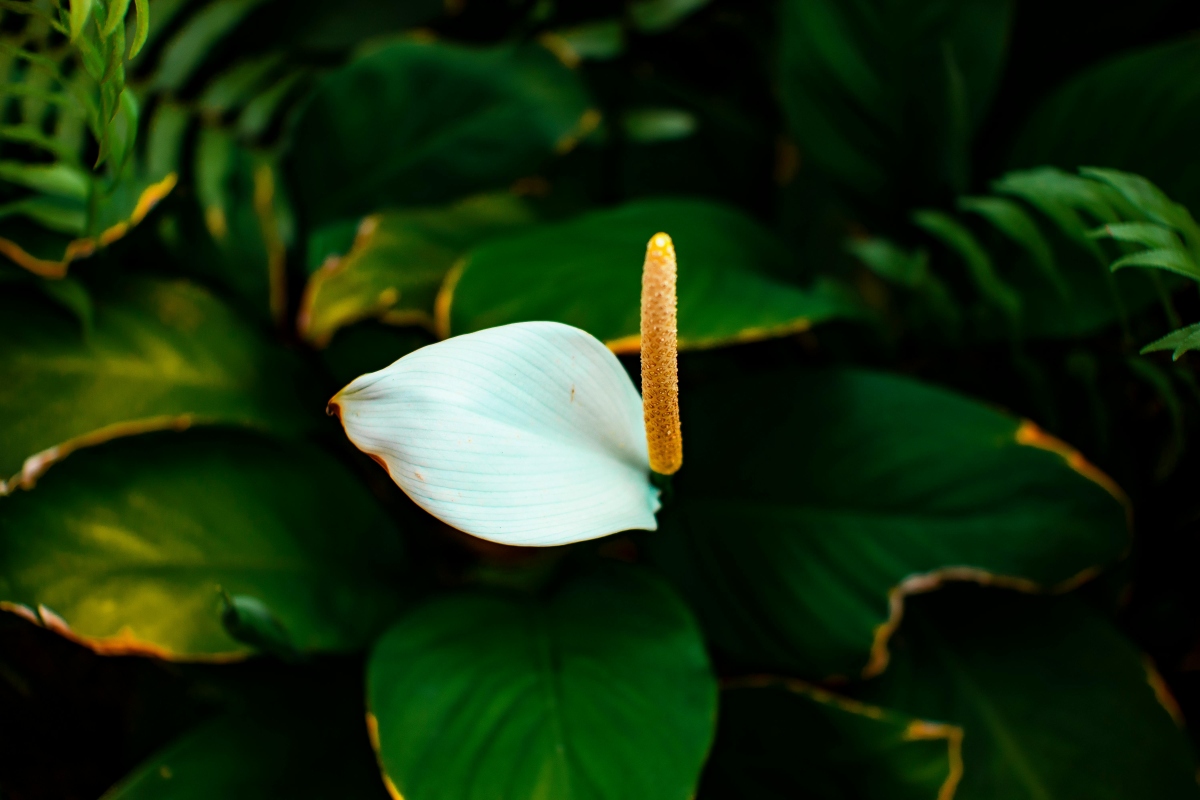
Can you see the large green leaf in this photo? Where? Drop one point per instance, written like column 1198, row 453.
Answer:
column 1138, row 112
column 883, row 96
column 427, row 123
column 397, row 264
column 127, row 547
column 302, row 752
column 587, row 273
column 821, row 499
column 1054, row 703
column 786, row 740
column 159, row 355
column 599, row 690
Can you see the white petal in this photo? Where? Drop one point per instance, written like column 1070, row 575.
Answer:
column 525, row 434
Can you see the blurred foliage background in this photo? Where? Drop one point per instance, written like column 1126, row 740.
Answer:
column 923, row 245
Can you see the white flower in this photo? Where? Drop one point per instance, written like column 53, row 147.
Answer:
column 525, row 434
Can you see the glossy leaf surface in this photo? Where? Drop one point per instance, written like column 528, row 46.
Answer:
column 1054, row 703
column 427, row 123
column 600, row 690
column 159, row 355
column 397, row 263
column 587, row 273
column 823, row 498
column 785, row 740
column 131, row 544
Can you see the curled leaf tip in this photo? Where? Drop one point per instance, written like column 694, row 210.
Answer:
column 660, row 369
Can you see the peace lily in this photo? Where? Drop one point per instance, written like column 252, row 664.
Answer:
column 530, row 433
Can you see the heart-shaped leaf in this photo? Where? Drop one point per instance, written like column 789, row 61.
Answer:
column 600, row 690
column 130, row 547
column 587, row 273
column 426, row 123
column 823, row 498
column 780, row 739
column 159, row 355
column 1054, row 703
column 397, row 263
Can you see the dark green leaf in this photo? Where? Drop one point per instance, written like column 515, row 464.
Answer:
column 786, row 740
column 1135, row 112
column 160, row 355
column 959, row 239
column 1179, row 342
column 1017, row 225
column 188, row 48
column 653, row 16
column 883, row 96
column 1053, row 702
column 415, row 123
column 397, row 263
column 250, row 621
column 269, row 752
column 601, row 690
column 125, row 547
column 587, row 273
column 1177, row 261
column 824, row 498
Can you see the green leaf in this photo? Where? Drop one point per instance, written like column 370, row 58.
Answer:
column 142, row 27
column 1150, row 200
column 234, row 87
column 1097, row 297
column 646, row 125
column 780, row 739
column 161, row 355
column 1177, row 261
column 1016, row 224
column 238, row 242
column 598, row 41
column 302, row 751
column 958, row 238
column 124, row 547
column 430, row 123
column 587, row 273
column 1053, row 702
column 188, row 48
column 397, row 264
column 58, row 179
column 1145, row 233
column 1179, row 342
column 250, row 621
column 81, row 10
column 1135, row 112
column 823, row 498
column 599, row 690
column 891, row 262
column 884, row 96
column 654, row 16
column 911, row 270
column 116, row 16
column 324, row 28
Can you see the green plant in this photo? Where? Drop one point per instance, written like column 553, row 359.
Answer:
column 881, row 571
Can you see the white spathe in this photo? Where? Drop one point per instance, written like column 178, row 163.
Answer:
column 525, row 434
